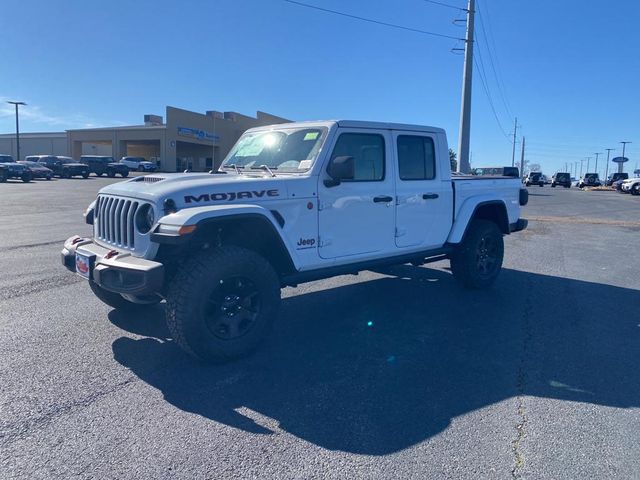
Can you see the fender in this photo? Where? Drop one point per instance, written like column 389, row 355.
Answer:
column 202, row 215
column 467, row 212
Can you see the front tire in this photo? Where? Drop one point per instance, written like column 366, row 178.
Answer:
column 478, row 260
column 26, row 177
column 85, row 175
column 222, row 303
column 125, row 174
column 635, row 190
column 111, row 173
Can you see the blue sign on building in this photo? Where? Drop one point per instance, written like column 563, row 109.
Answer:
column 199, row 134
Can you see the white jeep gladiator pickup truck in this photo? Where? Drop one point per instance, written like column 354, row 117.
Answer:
column 291, row 203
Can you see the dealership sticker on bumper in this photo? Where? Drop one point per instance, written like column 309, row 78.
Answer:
column 83, row 265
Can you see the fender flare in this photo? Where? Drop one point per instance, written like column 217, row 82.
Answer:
column 468, row 211
column 205, row 215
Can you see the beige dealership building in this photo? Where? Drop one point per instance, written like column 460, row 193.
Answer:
column 185, row 140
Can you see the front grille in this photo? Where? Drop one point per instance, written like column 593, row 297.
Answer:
column 115, row 221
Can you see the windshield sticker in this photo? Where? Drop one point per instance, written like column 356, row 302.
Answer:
column 311, row 136
column 304, row 164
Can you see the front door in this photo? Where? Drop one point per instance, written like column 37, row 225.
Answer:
column 356, row 217
column 424, row 201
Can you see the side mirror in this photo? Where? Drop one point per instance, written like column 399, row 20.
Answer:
column 340, row 168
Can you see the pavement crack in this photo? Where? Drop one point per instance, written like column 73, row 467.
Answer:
column 13, row 432
column 32, row 245
column 521, row 382
column 38, row 286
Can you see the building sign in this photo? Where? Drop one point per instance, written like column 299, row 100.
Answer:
column 199, row 134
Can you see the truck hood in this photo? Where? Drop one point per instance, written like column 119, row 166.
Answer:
column 200, row 189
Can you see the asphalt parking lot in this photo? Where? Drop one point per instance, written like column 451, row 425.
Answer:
column 397, row 375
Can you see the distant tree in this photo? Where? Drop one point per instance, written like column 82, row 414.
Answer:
column 452, row 158
column 535, row 167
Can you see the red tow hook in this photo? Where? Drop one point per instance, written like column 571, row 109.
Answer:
column 111, row 254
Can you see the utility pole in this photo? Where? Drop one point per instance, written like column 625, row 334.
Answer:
column 588, row 160
column 465, row 114
column 17, row 129
column 513, row 153
column 522, row 158
column 581, row 162
column 609, row 150
column 575, row 169
column 621, row 165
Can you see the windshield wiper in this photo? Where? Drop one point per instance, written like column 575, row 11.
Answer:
column 234, row 166
column 266, row 168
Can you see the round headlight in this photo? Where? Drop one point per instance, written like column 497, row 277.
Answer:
column 145, row 218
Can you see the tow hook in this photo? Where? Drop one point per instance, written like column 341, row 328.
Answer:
column 111, row 254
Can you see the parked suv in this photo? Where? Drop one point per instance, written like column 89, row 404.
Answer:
column 614, row 177
column 12, row 169
column 63, row 167
column 590, row 180
column 101, row 165
column 631, row 185
column 139, row 164
column 534, row 178
column 561, row 178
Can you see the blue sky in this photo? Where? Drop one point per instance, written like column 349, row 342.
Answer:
column 569, row 70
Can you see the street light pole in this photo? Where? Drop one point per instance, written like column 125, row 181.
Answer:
column 17, row 129
column 588, row 160
column 621, row 165
column 597, row 154
column 581, row 162
column 609, row 150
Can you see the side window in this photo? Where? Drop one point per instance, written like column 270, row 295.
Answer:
column 416, row 158
column 367, row 150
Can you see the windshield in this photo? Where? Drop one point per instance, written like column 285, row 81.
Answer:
column 285, row 150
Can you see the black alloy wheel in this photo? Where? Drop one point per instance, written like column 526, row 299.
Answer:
column 487, row 257
column 232, row 308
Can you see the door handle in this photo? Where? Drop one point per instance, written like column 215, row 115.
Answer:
column 430, row 196
column 383, row 199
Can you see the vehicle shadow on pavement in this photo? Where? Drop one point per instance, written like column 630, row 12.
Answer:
column 378, row 366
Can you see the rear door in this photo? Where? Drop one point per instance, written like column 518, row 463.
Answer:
column 424, row 202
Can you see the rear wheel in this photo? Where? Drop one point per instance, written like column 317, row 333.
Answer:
column 141, row 168
column 65, row 174
column 635, row 190
column 111, row 173
column 125, row 174
column 26, row 177
column 85, row 174
column 478, row 260
column 222, row 303
column 49, row 176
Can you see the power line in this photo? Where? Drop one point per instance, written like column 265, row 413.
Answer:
column 499, row 83
column 486, row 91
column 445, row 5
column 370, row 20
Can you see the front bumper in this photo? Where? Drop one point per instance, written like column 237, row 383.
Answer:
column 113, row 270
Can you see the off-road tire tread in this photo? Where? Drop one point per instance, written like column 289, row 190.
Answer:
column 462, row 265
column 193, row 272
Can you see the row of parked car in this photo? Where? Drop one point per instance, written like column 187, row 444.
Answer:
column 49, row 166
column 620, row 180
